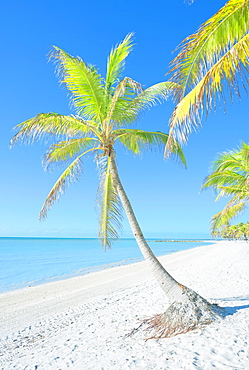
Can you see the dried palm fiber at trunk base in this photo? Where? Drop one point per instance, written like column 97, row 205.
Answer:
column 193, row 312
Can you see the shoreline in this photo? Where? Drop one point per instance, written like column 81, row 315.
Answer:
column 185, row 241
column 96, row 310
column 78, row 269
column 72, row 291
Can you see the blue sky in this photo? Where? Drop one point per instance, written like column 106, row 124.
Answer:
column 166, row 197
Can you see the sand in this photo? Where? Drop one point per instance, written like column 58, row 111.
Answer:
column 85, row 322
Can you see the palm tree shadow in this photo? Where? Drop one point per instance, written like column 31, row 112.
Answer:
column 231, row 310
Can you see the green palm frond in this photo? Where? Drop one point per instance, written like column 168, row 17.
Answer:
column 70, row 175
column 223, row 179
column 230, row 171
column 216, row 56
column 226, row 162
column 235, row 160
column 227, row 191
column 245, row 155
column 187, row 114
column 203, row 49
column 226, row 215
column 115, row 63
column 127, row 110
column 230, row 177
column 46, row 124
column 138, row 140
column 84, row 82
column 155, row 94
column 122, row 99
column 65, row 150
column 109, row 205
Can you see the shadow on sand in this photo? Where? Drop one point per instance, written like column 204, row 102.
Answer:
column 234, row 309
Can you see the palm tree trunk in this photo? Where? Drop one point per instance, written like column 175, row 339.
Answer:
column 188, row 310
column 169, row 285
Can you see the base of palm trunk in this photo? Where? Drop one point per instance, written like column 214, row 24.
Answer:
column 192, row 313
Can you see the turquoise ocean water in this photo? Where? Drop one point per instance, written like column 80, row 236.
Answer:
column 31, row 261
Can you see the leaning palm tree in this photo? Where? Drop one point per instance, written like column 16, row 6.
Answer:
column 209, row 61
column 229, row 177
column 104, row 109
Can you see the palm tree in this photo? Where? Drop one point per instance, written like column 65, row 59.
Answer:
column 229, row 177
column 214, row 57
column 239, row 231
column 242, row 231
column 230, row 231
column 104, row 109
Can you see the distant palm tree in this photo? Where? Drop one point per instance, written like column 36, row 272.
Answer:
column 104, row 108
column 229, row 231
column 242, row 231
column 212, row 59
column 239, row 231
column 230, row 177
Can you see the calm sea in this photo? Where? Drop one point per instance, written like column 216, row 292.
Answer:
column 31, row 261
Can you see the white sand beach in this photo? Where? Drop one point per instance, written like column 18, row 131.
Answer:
column 83, row 322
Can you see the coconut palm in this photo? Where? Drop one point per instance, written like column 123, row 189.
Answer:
column 242, row 231
column 104, row 109
column 213, row 58
column 230, row 231
column 239, row 231
column 229, row 177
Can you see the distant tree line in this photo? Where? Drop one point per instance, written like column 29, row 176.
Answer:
column 234, row 232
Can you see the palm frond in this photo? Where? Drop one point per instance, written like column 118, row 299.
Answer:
column 229, row 177
column 109, row 205
column 65, row 150
column 223, row 179
column 227, row 162
column 187, row 114
column 236, row 160
column 128, row 108
column 116, row 61
column 244, row 156
column 237, row 193
column 153, row 95
column 230, row 171
column 122, row 98
column 84, row 82
column 244, row 148
column 44, row 125
column 70, row 175
column 138, row 140
column 203, row 49
column 227, row 214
